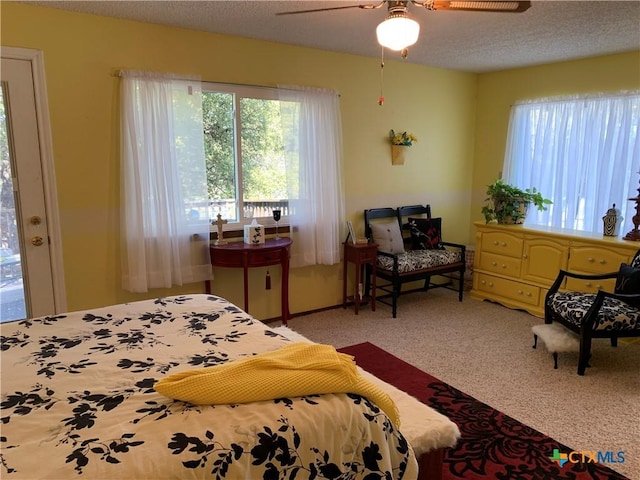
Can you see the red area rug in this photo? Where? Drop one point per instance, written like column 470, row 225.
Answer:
column 493, row 445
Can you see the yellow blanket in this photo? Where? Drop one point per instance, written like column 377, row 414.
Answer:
column 295, row 370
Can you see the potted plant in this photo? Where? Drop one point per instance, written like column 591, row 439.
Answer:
column 508, row 204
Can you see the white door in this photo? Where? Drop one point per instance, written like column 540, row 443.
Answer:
column 30, row 274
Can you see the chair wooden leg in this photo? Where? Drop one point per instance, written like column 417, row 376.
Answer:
column 394, row 298
column 461, row 286
column 614, row 341
column 585, row 353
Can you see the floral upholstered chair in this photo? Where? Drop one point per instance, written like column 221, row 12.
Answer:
column 598, row 315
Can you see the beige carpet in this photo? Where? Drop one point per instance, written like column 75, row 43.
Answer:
column 484, row 349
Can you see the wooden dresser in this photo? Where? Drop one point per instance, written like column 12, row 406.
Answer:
column 515, row 264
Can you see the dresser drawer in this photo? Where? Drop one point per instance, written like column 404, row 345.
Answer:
column 500, row 264
column 515, row 291
column 590, row 286
column 502, row 243
column 595, row 260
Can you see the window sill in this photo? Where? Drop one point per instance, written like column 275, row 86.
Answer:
column 239, row 233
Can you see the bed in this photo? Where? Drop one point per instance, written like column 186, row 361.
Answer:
column 78, row 399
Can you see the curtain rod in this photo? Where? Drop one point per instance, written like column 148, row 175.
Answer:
column 118, row 73
column 577, row 96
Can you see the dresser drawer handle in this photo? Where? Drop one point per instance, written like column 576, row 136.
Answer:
column 483, row 282
column 491, row 284
column 598, row 287
column 504, row 244
column 495, row 264
column 495, row 242
column 588, row 284
column 525, row 256
column 528, row 294
column 504, row 266
column 602, row 262
column 520, row 292
column 591, row 260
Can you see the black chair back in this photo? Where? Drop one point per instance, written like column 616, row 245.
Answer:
column 414, row 210
column 377, row 214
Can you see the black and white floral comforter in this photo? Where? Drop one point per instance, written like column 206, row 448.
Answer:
column 78, row 400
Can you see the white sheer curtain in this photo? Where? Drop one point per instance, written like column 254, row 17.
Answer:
column 164, row 240
column 313, row 139
column 582, row 152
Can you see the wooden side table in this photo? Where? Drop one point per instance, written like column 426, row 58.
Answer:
column 360, row 254
column 274, row 251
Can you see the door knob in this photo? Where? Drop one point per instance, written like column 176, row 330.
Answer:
column 37, row 241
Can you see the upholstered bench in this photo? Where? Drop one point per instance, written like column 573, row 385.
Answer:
column 556, row 338
column 414, row 260
column 410, row 249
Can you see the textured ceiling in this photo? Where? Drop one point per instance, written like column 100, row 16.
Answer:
column 549, row 31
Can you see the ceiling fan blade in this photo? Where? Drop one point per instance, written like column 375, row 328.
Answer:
column 366, row 7
column 482, row 6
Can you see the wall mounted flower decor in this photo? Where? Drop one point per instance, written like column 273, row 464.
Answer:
column 404, row 138
column 399, row 144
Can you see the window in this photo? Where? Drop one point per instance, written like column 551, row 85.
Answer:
column 265, row 148
column 245, row 152
column 281, row 148
column 582, row 152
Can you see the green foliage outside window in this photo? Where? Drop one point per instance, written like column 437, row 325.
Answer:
column 263, row 168
column 217, row 117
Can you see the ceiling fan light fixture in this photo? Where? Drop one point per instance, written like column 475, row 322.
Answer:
column 398, row 31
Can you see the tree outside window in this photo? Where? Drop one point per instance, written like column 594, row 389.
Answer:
column 244, row 149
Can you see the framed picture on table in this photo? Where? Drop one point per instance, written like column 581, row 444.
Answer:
column 352, row 232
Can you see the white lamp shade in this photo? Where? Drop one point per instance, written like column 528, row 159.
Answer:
column 398, row 32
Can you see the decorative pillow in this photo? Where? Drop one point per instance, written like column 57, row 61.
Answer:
column 426, row 233
column 388, row 237
column 628, row 280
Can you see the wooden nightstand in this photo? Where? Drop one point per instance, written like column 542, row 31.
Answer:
column 360, row 254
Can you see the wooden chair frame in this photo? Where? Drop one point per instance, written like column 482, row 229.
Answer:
column 396, row 279
column 586, row 330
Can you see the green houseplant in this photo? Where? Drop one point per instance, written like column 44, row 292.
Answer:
column 508, row 204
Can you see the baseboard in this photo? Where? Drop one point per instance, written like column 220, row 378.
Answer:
column 378, row 297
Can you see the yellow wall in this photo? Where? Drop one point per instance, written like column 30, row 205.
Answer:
column 82, row 52
column 459, row 118
column 498, row 91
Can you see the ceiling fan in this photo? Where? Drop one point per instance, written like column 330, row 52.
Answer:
column 398, row 31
